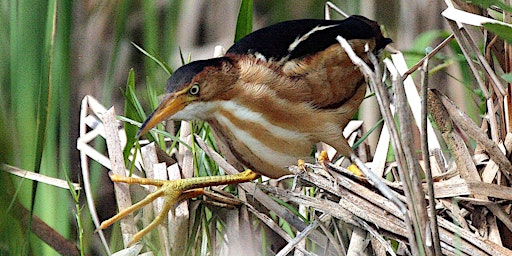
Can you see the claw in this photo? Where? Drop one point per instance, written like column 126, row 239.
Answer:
column 323, row 157
column 173, row 191
column 301, row 164
column 355, row 170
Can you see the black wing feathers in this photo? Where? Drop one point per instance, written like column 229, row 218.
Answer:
column 274, row 41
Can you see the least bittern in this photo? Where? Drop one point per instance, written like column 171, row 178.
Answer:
column 274, row 95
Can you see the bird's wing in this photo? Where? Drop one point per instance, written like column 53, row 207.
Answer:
column 308, row 50
column 330, row 76
column 299, row 38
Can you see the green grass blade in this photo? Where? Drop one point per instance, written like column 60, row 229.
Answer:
column 44, row 103
column 156, row 59
column 133, row 110
column 121, row 18
column 363, row 138
column 488, row 3
column 505, row 32
column 244, row 21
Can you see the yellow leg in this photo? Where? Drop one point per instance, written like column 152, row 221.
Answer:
column 355, row 170
column 323, row 158
column 301, row 164
column 148, row 199
column 173, row 192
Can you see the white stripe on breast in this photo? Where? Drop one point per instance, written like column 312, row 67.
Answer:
column 207, row 110
column 245, row 114
column 261, row 150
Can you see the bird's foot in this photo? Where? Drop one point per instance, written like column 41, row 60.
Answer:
column 355, row 170
column 301, row 164
column 173, row 191
column 323, row 157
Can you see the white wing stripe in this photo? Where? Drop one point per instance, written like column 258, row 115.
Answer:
column 306, row 36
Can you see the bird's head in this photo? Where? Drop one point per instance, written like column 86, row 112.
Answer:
column 191, row 89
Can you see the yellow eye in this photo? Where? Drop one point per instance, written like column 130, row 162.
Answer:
column 194, row 90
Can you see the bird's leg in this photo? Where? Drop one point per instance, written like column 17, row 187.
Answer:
column 148, row 199
column 355, row 170
column 323, row 159
column 301, row 164
column 342, row 149
column 173, row 192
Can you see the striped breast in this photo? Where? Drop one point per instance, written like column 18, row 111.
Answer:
column 255, row 141
column 269, row 123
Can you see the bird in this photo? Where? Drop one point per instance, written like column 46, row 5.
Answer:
column 270, row 99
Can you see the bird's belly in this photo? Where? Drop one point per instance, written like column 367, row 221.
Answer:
column 261, row 145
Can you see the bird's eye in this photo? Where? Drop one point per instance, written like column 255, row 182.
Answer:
column 194, row 90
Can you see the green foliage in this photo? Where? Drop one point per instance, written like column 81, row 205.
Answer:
column 34, row 113
column 156, row 59
column 78, row 216
column 488, row 3
column 133, row 110
column 244, row 22
column 424, row 43
column 507, row 77
column 503, row 31
column 366, row 134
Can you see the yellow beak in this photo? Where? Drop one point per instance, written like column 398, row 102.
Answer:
column 171, row 104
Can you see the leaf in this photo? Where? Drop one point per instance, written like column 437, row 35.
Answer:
column 133, row 110
column 488, row 3
column 507, row 77
column 244, row 21
column 156, row 59
column 504, row 32
column 427, row 39
column 363, row 138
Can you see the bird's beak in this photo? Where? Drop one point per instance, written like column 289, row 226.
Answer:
column 171, row 104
